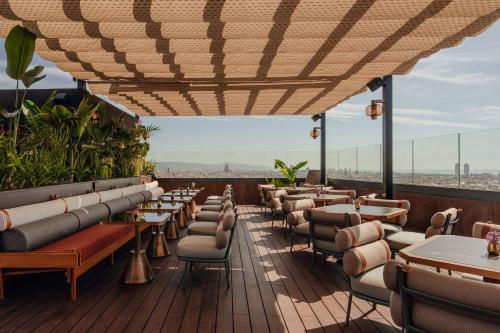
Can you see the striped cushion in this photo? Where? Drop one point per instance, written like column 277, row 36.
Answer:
column 151, row 185
column 25, row 214
column 81, row 201
column 156, row 192
column 361, row 259
column 130, row 190
column 111, row 194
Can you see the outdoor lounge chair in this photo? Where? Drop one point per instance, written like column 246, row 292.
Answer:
column 276, row 206
column 365, row 254
column 208, row 249
column 323, row 227
column 263, row 189
column 206, row 223
column 425, row 301
column 392, row 225
column 298, row 226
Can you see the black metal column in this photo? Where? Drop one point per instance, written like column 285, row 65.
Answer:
column 387, row 142
column 323, row 149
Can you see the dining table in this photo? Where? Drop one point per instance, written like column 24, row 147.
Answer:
column 323, row 199
column 175, row 209
column 367, row 212
column 184, row 199
column 455, row 253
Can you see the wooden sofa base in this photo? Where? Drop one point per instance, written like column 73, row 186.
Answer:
column 22, row 263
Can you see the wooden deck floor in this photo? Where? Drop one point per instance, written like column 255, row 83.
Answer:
column 272, row 291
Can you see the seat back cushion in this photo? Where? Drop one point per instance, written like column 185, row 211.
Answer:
column 156, row 192
column 480, row 229
column 151, row 185
column 336, row 218
column 359, row 235
column 119, row 205
column 147, row 195
column 222, row 236
column 295, row 218
column 275, row 194
column 13, row 217
column 228, row 220
column 109, row 184
column 350, row 193
column 135, row 199
column 110, row 194
column 295, row 205
column 363, row 258
column 439, row 219
column 81, row 201
column 130, row 190
column 91, row 215
column 30, row 236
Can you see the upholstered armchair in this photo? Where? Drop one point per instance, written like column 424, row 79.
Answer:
column 480, row 229
column 273, row 197
column 297, row 224
column 425, row 301
column 392, row 225
column 313, row 177
column 206, row 222
column 263, row 189
column 442, row 223
column 323, row 227
column 364, row 255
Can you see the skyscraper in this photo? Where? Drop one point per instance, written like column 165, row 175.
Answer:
column 466, row 170
column 457, row 170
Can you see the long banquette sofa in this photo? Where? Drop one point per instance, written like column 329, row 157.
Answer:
column 58, row 227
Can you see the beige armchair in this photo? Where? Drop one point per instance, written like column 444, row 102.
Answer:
column 425, row 301
column 442, row 223
column 392, row 225
column 206, row 222
column 298, row 226
column 323, row 227
column 273, row 196
column 480, row 229
column 365, row 254
column 263, row 189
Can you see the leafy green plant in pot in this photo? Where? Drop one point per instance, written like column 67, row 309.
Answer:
column 288, row 172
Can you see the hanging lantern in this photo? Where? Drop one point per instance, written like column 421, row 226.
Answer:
column 315, row 132
column 374, row 109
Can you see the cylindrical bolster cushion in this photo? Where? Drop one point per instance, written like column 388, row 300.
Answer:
column 275, row 203
column 13, row 217
column 405, row 204
column 390, row 274
column 363, row 258
column 214, row 197
column 275, row 194
column 295, row 218
column 359, row 234
column 222, row 236
column 228, row 220
column 438, row 220
column 211, row 208
column 156, row 192
column 207, row 216
column 350, row 193
column 119, row 205
column 81, row 201
column 129, row 190
column 295, row 205
column 91, row 215
column 213, row 202
column 135, row 199
column 36, row 234
column 480, row 229
column 432, row 231
column 151, row 185
column 147, row 195
column 335, row 217
column 110, row 195
column 141, row 187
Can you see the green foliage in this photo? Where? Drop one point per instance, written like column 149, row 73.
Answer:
column 289, row 172
column 19, row 48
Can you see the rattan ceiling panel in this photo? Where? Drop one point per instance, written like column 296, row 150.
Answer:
column 209, row 57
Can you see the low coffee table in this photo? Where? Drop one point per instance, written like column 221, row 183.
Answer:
column 176, row 215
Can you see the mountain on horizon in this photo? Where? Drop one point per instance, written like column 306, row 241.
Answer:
column 211, row 167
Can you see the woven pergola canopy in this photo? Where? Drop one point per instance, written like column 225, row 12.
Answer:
column 240, row 57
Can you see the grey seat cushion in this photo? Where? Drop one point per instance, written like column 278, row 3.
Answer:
column 400, row 240
column 147, row 195
column 214, row 197
column 199, row 247
column 213, row 202
column 301, row 229
column 390, row 228
column 371, row 283
column 212, row 208
column 207, row 216
column 119, row 205
column 36, row 234
column 135, row 199
column 203, row 228
column 91, row 215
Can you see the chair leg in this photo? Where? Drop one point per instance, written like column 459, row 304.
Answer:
column 324, row 258
column 272, row 218
column 184, row 276
column 291, row 242
column 449, row 272
column 228, row 274
column 308, row 242
column 313, row 259
column 438, row 270
column 2, row 295
column 374, row 306
column 348, row 310
column 191, row 264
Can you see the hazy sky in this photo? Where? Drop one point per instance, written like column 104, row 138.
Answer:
column 455, row 90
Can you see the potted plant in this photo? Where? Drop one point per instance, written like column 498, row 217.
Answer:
column 289, row 172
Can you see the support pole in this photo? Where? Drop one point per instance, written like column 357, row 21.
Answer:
column 387, row 141
column 323, row 149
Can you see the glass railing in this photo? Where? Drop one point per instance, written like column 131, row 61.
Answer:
column 465, row 160
column 228, row 164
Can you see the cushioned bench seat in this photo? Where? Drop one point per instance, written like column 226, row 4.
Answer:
column 89, row 241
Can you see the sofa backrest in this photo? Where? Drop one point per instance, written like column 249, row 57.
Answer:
column 110, row 184
column 23, row 197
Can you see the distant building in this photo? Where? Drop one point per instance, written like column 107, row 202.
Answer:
column 226, row 168
column 457, row 170
column 466, row 170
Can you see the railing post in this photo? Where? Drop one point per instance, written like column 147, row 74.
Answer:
column 459, row 163
column 357, row 166
column 387, row 138
column 413, row 162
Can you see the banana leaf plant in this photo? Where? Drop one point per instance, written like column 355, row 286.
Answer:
column 19, row 49
column 289, row 172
